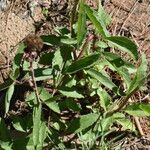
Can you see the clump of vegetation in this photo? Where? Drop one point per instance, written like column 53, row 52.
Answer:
column 78, row 94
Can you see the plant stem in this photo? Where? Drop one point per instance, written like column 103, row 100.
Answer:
column 34, row 83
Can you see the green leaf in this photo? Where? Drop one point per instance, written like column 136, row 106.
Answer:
column 82, row 123
column 43, row 74
column 106, row 123
column 68, row 41
column 139, row 110
column 57, row 60
column 46, row 58
column 42, row 137
column 22, row 124
column 4, row 134
column 70, row 92
column 54, row 137
column 145, row 108
column 126, row 124
column 82, row 63
column 99, row 24
column 8, row 97
column 26, row 143
column 139, row 78
column 103, row 16
column 72, row 104
column 103, row 79
column 17, row 61
column 105, row 98
column 36, row 124
column 122, row 67
column 124, row 44
column 66, row 51
column 48, row 100
column 81, row 24
column 51, row 39
column 114, row 59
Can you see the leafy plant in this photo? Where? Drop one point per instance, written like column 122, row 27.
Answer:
column 80, row 89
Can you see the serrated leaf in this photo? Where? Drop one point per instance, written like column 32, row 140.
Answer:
column 100, row 26
column 124, row 44
column 82, row 63
column 103, row 79
column 82, row 123
column 81, row 24
column 70, row 92
column 8, row 97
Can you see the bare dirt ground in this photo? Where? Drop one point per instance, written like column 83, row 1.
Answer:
column 130, row 18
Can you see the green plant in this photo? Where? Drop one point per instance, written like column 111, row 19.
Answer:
column 80, row 79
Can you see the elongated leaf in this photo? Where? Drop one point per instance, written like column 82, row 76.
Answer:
column 100, row 26
column 4, row 134
column 72, row 104
column 105, row 98
column 145, row 108
column 68, row 41
column 36, row 124
column 22, row 124
column 57, row 60
column 126, row 124
column 17, row 61
column 43, row 74
column 70, row 92
column 82, row 63
column 102, row 79
column 103, row 16
column 138, row 110
column 124, row 44
column 42, row 136
column 81, row 24
column 122, row 67
column 8, row 97
column 51, row 39
column 82, row 123
column 46, row 58
column 106, row 123
column 48, row 100
column 140, row 77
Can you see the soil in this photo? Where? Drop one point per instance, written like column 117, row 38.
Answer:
column 130, row 18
